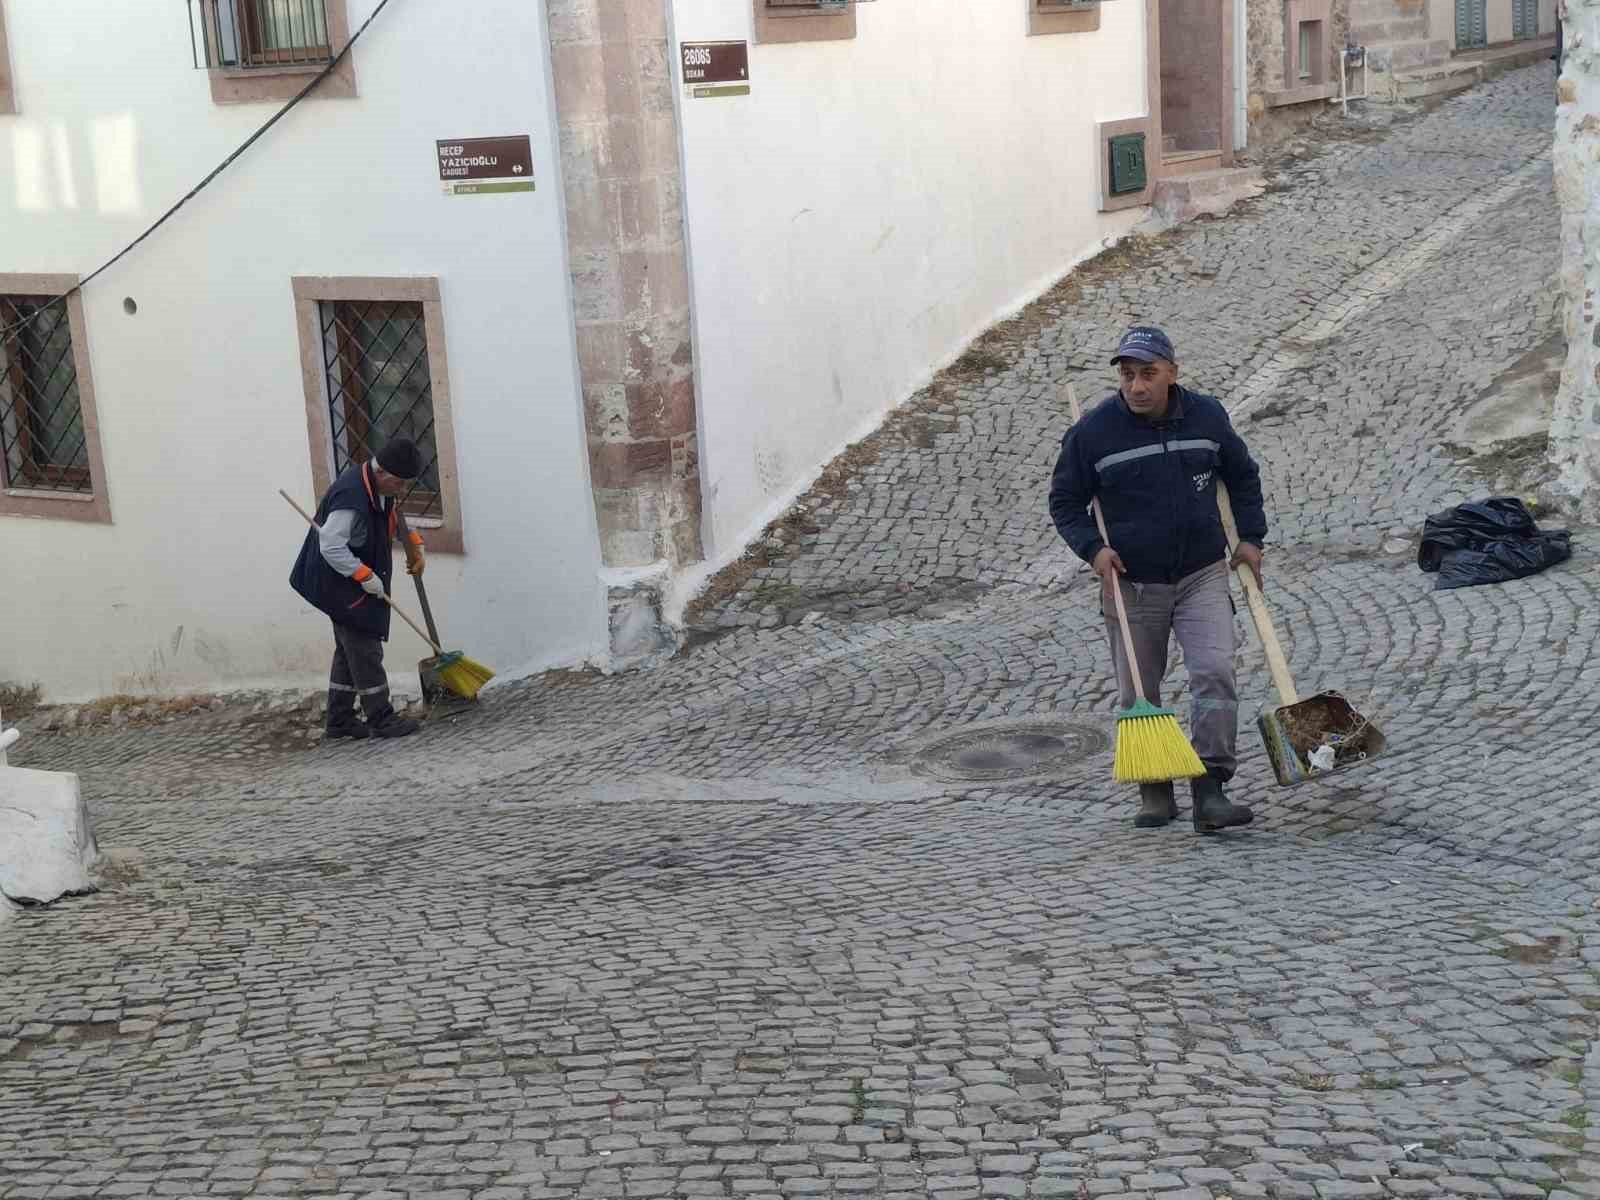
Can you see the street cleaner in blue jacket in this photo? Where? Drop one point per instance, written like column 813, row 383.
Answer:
column 344, row 569
column 1152, row 451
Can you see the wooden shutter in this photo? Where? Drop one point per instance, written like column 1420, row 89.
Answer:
column 1472, row 24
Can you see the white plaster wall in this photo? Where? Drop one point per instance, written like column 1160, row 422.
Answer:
column 201, row 408
column 1498, row 21
column 1442, row 21
column 869, row 208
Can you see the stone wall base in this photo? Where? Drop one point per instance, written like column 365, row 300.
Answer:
column 640, row 633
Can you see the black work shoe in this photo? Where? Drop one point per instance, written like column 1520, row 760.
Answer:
column 345, row 727
column 391, row 724
column 1213, row 810
column 1157, row 806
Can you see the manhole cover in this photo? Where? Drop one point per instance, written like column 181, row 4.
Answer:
column 1010, row 751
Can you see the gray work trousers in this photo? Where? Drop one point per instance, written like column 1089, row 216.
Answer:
column 357, row 673
column 1198, row 610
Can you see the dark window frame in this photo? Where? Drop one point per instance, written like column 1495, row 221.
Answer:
column 86, row 497
column 321, row 381
column 803, row 21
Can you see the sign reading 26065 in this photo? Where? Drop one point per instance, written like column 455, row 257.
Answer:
column 716, row 62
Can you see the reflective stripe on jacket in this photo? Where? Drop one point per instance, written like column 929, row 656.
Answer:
column 1157, row 483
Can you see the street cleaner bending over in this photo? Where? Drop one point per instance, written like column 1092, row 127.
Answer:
column 1152, row 452
column 344, row 569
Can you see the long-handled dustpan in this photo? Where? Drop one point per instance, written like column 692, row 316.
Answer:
column 1309, row 738
column 429, row 669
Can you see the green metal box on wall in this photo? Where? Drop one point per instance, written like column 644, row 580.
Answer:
column 1127, row 164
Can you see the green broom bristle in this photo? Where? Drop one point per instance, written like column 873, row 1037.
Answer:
column 1151, row 747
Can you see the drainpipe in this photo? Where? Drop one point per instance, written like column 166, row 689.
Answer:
column 1241, row 83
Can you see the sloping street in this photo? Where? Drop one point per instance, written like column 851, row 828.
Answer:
column 756, row 924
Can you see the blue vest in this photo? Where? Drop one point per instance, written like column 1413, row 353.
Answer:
column 343, row 599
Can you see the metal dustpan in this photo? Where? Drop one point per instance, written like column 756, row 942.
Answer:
column 1305, row 739
column 435, row 693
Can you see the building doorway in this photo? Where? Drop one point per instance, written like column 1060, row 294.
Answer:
column 1196, row 84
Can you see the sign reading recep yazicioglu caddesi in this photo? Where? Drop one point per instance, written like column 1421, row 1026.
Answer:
column 709, row 64
column 477, row 166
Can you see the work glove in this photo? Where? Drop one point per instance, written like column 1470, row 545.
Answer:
column 369, row 581
column 416, row 560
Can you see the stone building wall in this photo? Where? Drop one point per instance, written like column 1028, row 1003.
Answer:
column 1575, row 433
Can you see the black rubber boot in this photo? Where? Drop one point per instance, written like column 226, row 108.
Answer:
column 1213, row 810
column 390, row 724
column 1157, row 806
column 343, row 722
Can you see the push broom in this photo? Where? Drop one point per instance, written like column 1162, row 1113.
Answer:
column 1151, row 746
column 455, row 670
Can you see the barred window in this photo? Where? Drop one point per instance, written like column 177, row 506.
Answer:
column 262, row 50
column 380, row 387
column 43, row 446
column 265, row 33
column 374, row 367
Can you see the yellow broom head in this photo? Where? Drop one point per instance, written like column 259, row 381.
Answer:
column 1151, row 747
column 463, row 676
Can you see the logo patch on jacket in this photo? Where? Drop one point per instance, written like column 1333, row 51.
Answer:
column 1201, row 480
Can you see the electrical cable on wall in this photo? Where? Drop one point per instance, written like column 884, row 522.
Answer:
column 12, row 332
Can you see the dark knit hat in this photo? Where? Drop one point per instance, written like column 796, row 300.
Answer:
column 401, row 457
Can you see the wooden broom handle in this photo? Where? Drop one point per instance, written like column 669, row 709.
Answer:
column 312, row 521
column 1276, row 662
column 1116, row 584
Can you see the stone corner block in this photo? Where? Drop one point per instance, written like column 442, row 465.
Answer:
column 47, row 845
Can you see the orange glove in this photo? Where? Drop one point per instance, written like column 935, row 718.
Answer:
column 416, row 560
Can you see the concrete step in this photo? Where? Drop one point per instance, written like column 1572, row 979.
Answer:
column 1496, row 59
column 1438, row 80
column 1214, row 192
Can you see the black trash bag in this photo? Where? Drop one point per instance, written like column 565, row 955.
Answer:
column 1488, row 541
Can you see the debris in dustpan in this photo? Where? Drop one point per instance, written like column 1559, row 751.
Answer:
column 1319, row 734
column 1488, row 541
column 1298, row 728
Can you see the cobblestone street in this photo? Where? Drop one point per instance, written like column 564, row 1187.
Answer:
column 743, row 926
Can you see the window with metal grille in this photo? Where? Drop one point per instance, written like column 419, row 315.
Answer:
column 43, row 446
column 380, row 387
column 262, row 33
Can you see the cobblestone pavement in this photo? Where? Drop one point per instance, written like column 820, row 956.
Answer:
column 738, row 927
